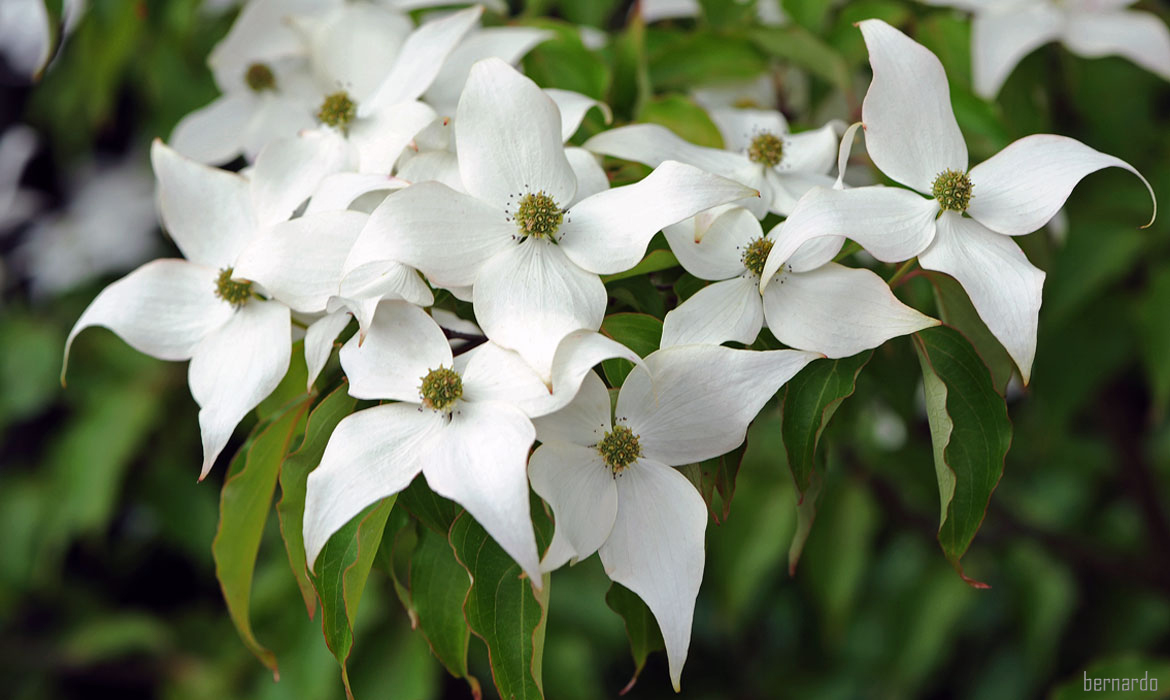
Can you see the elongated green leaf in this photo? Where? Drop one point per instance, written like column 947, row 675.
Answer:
column 798, row 45
column 956, row 311
column 812, row 398
column 655, row 261
column 631, row 74
column 291, row 388
column 503, row 609
column 293, row 475
column 244, row 505
column 971, row 434
column 641, row 627
column 431, row 509
column 806, row 513
column 685, row 118
column 715, row 480
column 641, row 333
column 438, row 589
column 340, row 577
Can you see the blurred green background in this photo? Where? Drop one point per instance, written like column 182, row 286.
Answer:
column 107, row 585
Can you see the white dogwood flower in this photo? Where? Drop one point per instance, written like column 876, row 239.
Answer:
column 198, row 309
column 612, row 484
column 964, row 224
column 1003, row 32
column 532, row 252
column 464, row 423
column 815, row 304
column 760, row 152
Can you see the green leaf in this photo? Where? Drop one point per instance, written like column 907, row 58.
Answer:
column 971, row 434
column 701, row 59
column 955, row 310
column 685, row 118
column 1154, row 333
column 431, row 509
column 715, row 480
column 503, row 609
column 655, row 261
column 641, row 627
column 631, row 74
column 1151, row 673
column 293, row 475
column 794, row 43
column 565, row 63
column 641, row 333
column 806, row 513
column 340, row 577
column 438, row 589
column 244, row 504
column 291, row 387
column 812, row 397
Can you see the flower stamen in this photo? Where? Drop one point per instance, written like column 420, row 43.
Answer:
column 953, row 190
column 232, row 291
column 756, row 254
column 619, row 448
column 767, row 149
column 441, row 388
column 538, row 215
column 338, row 110
column 260, row 77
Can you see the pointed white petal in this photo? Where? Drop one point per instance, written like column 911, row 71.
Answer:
column 812, row 253
column 479, row 460
column 558, row 554
column 591, row 177
column 1141, row 37
column 717, row 313
column 654, row 145
column 909, row 88
column 531, row 296
column 702, row 398
column 386, row 280
column 208, row 212
column 164, row 309
column 656, row 550
column 212, row 134
column 1003, row 285
column 299, row 262
column 740, row 126
column 339, row 190
column 891, row 223
column 401, row 347
column 580, row 489
column 319, row 339
column 440, row 166
column 509, row 44
column 813, row 152
column 573, row 107
column 371, row 454
column 429, row 226
column 609, row 231
column 583, row 421
column 421, row 58
column 289, row 170
column 1001, row 39
column 784, row 189
column 509, row 136
column 837, row 311
column 381, row 137
column 354, row 46
column 576, row 355
column 235, row 368
column 711, row 245
column 1021, row 188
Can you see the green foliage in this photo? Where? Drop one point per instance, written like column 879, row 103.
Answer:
column 641, row 627
column 641, row 333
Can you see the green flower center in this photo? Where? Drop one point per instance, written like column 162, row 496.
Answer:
column 538, row 215
column 259, row 77
column 619, row 448
column 441, row 388
column 952, row 189
column 756, row 254
column 767, row 149
column 232, row 291
column 337, row 110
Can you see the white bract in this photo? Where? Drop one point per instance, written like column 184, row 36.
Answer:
column 464, row 423
column 197, row 309
column 531, row 252
column 612, row 484
column 964, row 224
column 1003, row 32
column 760, row 152
column 815, row 304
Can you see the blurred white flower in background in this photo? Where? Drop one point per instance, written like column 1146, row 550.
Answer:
column 17, row 146
column 26, row 37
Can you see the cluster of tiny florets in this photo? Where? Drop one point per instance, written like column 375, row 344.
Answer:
column 234, row 292
column 952, row 189
column 767, row 149
column 441, row 388
column 538, row 215
column 756, row 254
column 619, row 448
column 337, row 110
column 259, row 77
